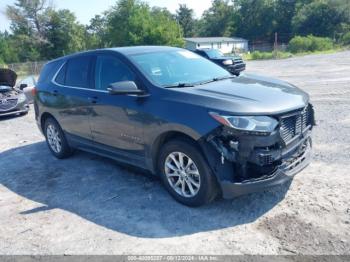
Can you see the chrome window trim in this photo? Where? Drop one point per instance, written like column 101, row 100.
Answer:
column 53, row 80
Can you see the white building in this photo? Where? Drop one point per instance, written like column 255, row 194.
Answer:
column 224, row 44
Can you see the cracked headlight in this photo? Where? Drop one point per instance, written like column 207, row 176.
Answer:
column 21, row 98
column 255, row 124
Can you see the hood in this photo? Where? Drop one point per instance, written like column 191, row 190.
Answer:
column 7, row 77
column 247, row 94
column 223, row 58
column 233, row 57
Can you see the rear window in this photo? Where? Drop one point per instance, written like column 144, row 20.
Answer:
column 78, row 71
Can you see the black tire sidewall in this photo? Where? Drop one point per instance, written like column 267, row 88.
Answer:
column 206, row 191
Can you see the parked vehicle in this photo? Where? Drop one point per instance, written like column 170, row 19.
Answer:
column 233, row 64
column 27, row 85
column 12, row 100
column 204, row 131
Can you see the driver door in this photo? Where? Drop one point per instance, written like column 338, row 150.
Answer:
column 117, row 120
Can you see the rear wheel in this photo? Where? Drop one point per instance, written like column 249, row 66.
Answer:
column 56, row 140
column 185, row 173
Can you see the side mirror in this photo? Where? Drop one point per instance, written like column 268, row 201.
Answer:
column 22, row 86
column 124, row 88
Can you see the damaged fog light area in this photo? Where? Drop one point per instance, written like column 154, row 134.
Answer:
column 247, row 149
column 248, row 157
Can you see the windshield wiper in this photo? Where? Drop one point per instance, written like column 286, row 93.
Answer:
column 180, row 85
column 215, row 79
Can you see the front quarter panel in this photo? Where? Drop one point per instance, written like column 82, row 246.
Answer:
column 169, row 115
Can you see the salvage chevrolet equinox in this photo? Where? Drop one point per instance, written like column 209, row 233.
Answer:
column 205, row 132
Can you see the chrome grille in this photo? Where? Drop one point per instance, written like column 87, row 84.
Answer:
column 238, row 61
column 7, row 104
column 294, row 125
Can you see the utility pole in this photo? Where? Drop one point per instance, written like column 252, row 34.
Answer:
column 275, row 46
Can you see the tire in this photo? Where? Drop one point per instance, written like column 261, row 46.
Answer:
column 56, row 140
column 173, row 180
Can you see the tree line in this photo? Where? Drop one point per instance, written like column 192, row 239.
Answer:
column 41, row 32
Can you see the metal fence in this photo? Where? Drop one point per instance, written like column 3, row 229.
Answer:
column 26, row 69
column 267, row 47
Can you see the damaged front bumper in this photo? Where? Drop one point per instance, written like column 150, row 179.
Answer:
column 246, row 163
column 20, row 109
column 290, row 165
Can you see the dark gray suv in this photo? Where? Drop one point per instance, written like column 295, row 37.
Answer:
column 205, row 132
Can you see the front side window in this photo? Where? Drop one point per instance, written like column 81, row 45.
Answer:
column 77, row 72
column 110, row 70
column 167, row 68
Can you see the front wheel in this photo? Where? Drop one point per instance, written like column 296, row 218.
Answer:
column 185, row 173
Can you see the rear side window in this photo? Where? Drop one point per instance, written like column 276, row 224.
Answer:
column 78, row 71
column 61, row 77
column 48, row 72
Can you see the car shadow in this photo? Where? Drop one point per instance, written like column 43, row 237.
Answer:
column 4, row 118
column 117, row 198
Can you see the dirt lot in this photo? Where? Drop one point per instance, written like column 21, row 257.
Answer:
column 90, row 205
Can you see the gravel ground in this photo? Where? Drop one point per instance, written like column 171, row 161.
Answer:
column 90, row 205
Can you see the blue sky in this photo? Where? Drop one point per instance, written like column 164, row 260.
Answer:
column 85, row 10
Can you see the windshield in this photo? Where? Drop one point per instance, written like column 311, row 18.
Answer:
column 179, row 67
column 214, row 53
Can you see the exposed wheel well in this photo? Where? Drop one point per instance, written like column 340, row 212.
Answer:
column 166, row 137
column 43, row 118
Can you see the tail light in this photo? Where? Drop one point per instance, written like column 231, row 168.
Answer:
column 34, row 91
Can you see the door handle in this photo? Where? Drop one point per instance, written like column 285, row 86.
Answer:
column 93, row 99
column 54, row 92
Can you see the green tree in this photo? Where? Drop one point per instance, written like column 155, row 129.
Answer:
column 284, row 13
column 218, row 20
column 64, row 34
column 8, row 53
column 256, row 19
column 185, row 17
column 131, row 22
column 28, row 19
column 321, row 17
column 96, row 32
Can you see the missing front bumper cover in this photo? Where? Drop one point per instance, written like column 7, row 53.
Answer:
column 282, row 174
column 242, row 160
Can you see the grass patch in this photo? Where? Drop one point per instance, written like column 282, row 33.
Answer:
column 257, row 55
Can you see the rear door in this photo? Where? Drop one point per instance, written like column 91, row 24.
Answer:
column 73, row 97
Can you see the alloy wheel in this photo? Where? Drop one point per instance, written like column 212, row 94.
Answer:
column 182, row 174
column 54, row 139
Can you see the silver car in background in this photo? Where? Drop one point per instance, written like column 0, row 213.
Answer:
column 27, row 85
column 13, row 101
